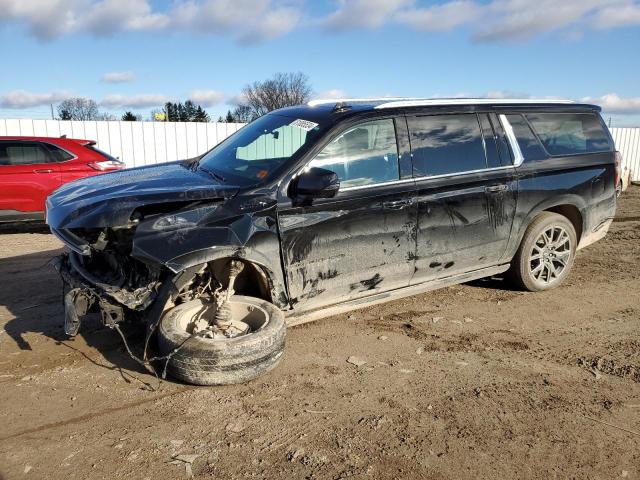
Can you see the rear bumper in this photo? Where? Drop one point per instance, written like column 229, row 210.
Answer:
column 596, row 234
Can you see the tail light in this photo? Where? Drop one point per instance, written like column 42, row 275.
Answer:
column 618, row 168
column 107, row 165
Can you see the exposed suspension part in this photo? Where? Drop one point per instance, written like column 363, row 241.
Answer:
column 223, row 318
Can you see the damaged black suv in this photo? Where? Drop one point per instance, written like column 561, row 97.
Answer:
column 314, row 210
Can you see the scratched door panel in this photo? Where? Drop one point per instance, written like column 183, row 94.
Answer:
column 359, row 243
column 463, row 222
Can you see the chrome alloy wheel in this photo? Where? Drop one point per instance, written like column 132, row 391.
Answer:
column 550, row 255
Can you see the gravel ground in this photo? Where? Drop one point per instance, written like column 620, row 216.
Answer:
column 472, row 381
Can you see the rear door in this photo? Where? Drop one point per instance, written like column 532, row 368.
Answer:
column 362, row 241
column 28, row 174
column 466, row 193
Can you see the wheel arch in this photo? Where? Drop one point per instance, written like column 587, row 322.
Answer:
column 572, row 207
column 261, row 277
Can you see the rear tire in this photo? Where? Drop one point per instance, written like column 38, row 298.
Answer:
column 204, row 361
column 546, row 253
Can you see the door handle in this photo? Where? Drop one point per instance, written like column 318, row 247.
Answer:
column 43, row 170
column 396, row 204
column 497, row 188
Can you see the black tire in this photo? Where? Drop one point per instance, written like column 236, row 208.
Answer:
column 203, row 361
column 619, row 189
column 522, row 265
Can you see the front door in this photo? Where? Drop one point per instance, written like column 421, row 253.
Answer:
column 362, row 241
column 28, row 174
column 466, row 195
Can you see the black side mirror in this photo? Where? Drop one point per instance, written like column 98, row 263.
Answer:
column 314, row 183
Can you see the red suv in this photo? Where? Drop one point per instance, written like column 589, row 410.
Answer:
column 33, row 167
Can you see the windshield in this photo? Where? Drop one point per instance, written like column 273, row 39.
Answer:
column 257, row 151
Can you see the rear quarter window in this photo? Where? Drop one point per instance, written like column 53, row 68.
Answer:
column 570, row 133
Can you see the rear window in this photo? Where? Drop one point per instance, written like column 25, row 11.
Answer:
column 443, row 144
column 570, row 133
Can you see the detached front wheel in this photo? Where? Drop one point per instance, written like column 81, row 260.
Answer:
column 203, row 358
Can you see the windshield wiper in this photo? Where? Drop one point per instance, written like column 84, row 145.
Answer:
column 213, row 174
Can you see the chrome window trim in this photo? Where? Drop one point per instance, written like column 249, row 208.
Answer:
column 513, row 141
column 417, row 179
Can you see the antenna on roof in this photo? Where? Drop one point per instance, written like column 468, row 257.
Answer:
column 341, row 106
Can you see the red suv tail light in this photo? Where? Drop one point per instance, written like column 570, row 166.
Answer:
column 618, row 169
column 107, row 165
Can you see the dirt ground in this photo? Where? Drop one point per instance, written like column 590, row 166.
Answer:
column 473, row 381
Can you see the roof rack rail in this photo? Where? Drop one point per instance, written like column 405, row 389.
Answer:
column 425, row 102
column 346, row 101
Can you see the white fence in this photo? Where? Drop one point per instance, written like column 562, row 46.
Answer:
column 146, row 143
column 628, row 142
column 136, row 143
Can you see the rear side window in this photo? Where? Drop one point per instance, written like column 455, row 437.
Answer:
column 570, row 133
column 527, row 141
column 363, row 155
column 493, row 160
column 58, row 154
column 104, row 154
column 443, row 144
column 23, row 153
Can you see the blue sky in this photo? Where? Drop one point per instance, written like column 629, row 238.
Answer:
column 136, row 54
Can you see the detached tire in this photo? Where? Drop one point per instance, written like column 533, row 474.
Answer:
column 546, row 253
column 204, row 361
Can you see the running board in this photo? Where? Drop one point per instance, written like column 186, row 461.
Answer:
column 293, row 318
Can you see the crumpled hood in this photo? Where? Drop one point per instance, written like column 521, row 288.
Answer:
column 109, row 200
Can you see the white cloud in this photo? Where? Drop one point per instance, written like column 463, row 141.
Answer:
column 19, row 99
column 363, row 13
column 134, row 101
column 439, row 18
column 613, row 103
column 206, row 98
column 247, row 20
column 258, row 20
column 496, row 20
column 118, row 77
column 621, row 15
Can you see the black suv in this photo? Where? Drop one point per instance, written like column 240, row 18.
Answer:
column 314, row 210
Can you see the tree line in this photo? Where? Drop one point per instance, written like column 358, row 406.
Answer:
column 255, row 99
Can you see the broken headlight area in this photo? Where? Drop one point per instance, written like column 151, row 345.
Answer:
column 106, row 278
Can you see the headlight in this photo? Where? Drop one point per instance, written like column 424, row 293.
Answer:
column 180, row 220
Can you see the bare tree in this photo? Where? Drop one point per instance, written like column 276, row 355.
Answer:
column 282, row 90
column 78, row 109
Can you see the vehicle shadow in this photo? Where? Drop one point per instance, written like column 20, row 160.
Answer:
column 32, row 295
column 24, row 227
column 498, row 282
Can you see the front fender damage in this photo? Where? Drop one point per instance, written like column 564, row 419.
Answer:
column 124, row 272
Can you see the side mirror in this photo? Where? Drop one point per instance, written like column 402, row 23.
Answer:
column 314, row 183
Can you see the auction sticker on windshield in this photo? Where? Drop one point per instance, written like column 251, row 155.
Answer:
column 304, row 124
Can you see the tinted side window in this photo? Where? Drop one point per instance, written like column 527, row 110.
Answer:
column 570, row 133
column 58, row 154
column 22, row 153
column 444, row 144
column 529, row 144
column 365, row 154
column 493, row 160
column 506, row 157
